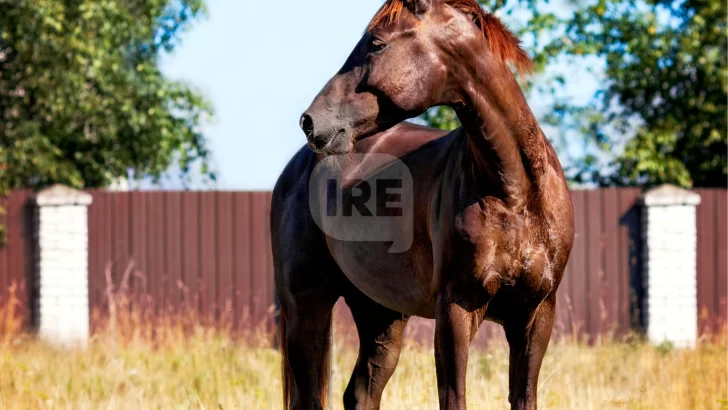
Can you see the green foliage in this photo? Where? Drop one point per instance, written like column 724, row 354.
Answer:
column 441, row 117
column 659, row 115
column 665, row 347
column 82, row 98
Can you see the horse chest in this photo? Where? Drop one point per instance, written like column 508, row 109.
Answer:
column 494, row 248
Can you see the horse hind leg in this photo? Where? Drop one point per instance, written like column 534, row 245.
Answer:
column 305, row 327
column 528, row 340
column 380, row 340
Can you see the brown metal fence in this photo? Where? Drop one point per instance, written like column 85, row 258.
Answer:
column 712, row 269
column 16, row 257
column 596, row 296
column 210, row 251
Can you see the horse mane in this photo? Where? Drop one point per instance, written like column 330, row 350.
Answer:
column 388, row 14
column 501, row 41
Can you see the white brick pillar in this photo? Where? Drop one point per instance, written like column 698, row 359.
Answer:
column 61, row 312
column 669, row 276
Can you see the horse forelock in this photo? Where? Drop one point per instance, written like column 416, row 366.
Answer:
column 502, row 42
column 388, row 14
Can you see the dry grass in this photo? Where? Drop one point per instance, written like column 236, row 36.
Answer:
column 186, row 366
column 207, row 370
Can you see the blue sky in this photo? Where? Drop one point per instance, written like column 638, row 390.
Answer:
column 261, row 63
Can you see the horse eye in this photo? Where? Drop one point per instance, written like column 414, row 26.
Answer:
column 376, row 45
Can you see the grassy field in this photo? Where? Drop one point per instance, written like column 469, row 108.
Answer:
column 147, row 363
column 207, row 370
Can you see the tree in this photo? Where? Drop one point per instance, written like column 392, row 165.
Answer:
column 82, row 98
column 660, row 114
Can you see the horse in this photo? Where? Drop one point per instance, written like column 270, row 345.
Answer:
column 492, row 221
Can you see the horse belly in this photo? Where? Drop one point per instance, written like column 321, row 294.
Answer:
column 398, row 281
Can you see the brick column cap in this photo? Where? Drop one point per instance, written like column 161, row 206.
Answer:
column 666, row 195
column 58, row 195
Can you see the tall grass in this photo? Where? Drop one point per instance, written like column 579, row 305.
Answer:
column 178, row 362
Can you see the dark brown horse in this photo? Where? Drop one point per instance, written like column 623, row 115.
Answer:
column 492, row 222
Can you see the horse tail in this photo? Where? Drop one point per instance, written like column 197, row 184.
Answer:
column 324, row 371
column 286, row 374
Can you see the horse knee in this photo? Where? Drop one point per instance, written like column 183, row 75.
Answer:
column 351, row 401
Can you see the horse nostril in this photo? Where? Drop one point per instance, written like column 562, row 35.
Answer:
column 307, row 125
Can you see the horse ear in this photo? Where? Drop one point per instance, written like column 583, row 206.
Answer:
column 419, row 7
column 474, row 12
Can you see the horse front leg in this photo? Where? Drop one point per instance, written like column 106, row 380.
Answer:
column 528, row 340
column 380, row 341
column 456, row 325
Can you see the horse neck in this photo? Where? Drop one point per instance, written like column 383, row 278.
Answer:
column 505, row 140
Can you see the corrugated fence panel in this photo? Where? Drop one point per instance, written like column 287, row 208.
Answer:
column 594, row 296
column 190, row 224
column 243, row 263
column 16, row 257
column 711, row 263
column 577, row 291
column 610, row 280
column 208, row 252
column 209, row 273
column 139, row 243
column 595, row 263
column 157, row 283
column 173, row 250
column 99, row 232
column 225, row 255
column 629, row 245
column 721, row 249
column 263, row 288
